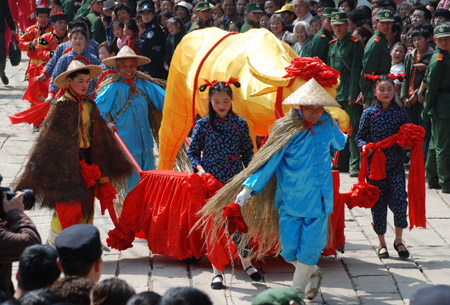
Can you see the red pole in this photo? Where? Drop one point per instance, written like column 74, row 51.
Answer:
column 128, row 153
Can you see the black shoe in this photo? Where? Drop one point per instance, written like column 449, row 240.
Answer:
column 403, row 253
column 35, row 128
column 434, row 186
column 217, row 285
column 383, row 254
column 446, row 190
column 256, row 276
column 5, row 79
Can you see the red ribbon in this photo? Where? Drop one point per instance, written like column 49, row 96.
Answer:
column 231, row 81
column 210, row 84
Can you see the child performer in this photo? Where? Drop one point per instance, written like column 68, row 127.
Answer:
column 377, row 123
column 291, row 172
column 226, row 144
column 73, row 135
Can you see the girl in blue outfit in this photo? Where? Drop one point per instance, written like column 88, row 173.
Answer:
column 227, row 148
column 377, row 123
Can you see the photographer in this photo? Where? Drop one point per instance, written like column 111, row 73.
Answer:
column 17, row 231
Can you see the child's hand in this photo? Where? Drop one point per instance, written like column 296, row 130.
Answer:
column 421, row 67
column 200, row 170
column 411, row 101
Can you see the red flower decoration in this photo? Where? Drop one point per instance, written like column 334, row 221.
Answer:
column 91, row 173
column 410, row 135
column 363, row 195
column 308, row 67
column 120, row 240
column 236, row 222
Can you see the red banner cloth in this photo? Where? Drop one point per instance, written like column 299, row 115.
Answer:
column 164, row 207
column 35, row 114
column 409, row 136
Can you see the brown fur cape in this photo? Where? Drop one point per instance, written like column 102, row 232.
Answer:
column 53, row 170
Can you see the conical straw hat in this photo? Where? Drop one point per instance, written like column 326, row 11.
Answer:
column 311, row 94
column 76, row 65
column 126, row 52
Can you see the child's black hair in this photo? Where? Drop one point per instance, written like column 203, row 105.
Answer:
column 217, row 87
column 118, row 24
column 383, row 77
column 76, row 73
column 131, row 25
column 110, row 47
column 399, row 43
column 424, row 32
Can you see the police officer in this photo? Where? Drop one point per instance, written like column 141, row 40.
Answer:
column 97, row 32
column 151, row 43
column 319, row 43
column 203, row 12
column 253, row 12
column 345, row 55
column 376, row 58
column 437, row 106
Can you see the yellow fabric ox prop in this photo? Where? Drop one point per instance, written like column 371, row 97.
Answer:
column 266, row 67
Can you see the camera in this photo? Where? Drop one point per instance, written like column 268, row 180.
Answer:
column 28, row 199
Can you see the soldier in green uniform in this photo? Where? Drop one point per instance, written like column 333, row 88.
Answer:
column 376, row 58
column 97, row 32
column 68, row 8
column 319, row 44
column 345, row 55
column 253, row 12
column 437, row 106
column 203, row 12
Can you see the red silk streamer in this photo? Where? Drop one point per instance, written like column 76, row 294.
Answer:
column 32, row 115
column 199, row 68
column 106, row 193
column 409, row 135
column 232, row 213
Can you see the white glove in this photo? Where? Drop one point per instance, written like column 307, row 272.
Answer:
column 243, row 197
column 346, row 138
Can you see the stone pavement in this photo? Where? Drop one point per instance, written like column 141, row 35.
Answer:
column 354, row 277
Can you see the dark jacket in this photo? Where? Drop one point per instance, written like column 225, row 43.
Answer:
column 18, row 233
column 5, row 17
column 151, row 44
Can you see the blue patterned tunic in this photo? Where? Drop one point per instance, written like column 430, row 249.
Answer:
column 375, row 125
column 64, row 62
column 91, row 47
column 224, row 154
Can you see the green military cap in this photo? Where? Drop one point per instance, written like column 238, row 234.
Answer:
column 338, row 18
column 442, row 30
column 254, row 7
column 278, row 296
column 384, row 16
column 202, row 6
column 328, row 11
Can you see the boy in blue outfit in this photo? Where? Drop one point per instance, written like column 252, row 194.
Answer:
column 304, row 186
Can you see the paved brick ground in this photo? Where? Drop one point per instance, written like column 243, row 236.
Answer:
column 355, row 277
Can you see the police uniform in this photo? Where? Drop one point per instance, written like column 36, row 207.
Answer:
column 253, row 7
column 437, row 106
column 97, row 32
column 319, row 44
column 376, row 58
column 346, row 56
column 151, row 44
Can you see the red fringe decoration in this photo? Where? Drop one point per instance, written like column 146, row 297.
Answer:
column 307, row 68
column 91, row 173
column 120, row 240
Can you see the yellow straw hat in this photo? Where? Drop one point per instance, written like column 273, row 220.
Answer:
column 126, row 52
column 311, row 94
column 76, row 65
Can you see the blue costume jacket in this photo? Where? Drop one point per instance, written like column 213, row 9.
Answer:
column 223, row 154
column 133, row 126
column 303, row 169
column 91, row 47
column 64, row 62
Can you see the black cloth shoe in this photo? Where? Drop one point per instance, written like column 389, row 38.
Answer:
column 434, row 186
column 219, row 284
column 5, row 79
column 383, row 254
column 354, row 174
column 446, row 189
column 403, row 253
column 256, row 276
